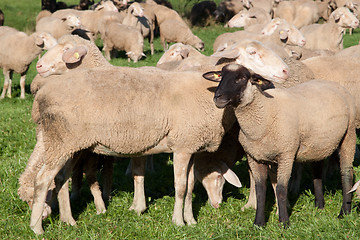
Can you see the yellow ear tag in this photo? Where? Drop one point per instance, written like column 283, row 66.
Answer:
column 77, row 55
column 281, row 32
column 260, row 82
column 216, row 76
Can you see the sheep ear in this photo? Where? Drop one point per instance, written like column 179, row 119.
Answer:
column 184, row 53
column 74, row 55
column 214, row 76
column 39, row 41
column 230, row 53
column 230, row 176
column 283, row 35
column 356, row 185
column 128, row 53
column 262, row 84
column 337, row 17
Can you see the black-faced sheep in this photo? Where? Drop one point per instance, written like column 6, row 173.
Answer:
column 307, row 122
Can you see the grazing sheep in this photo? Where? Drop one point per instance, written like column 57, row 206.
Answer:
column 122, row 37
column 227, row 9
column 175, row 31
column 202, row 12
column 17, row 51
column 2, row 18
column 329, row 35
column 292, row 122
column 58, row 27
column 246, row 18
column 136, row 18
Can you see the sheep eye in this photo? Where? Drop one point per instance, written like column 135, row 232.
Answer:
column 252, row 52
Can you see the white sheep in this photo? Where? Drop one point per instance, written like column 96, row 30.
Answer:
column 281, row 34
column 190, row 82
column 58, row 27
column 329, row 35
column 136, row 17
column 280, row 126
column 266, row 5
column 17, row 51
column 246, row 18
column 177, row 52
column 172, row 30
column 122, row 37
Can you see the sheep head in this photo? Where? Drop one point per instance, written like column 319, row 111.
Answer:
column 236, row 84
column 44, row 40
column 257, row 57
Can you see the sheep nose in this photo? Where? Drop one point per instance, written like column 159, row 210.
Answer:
column 286, row 72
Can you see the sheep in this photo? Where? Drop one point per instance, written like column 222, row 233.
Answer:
column 2, row 18
column 90, row 20
column 177, row 52
column 292, row 121
column 227, row 9
column 329, row 35
column 17, row 51
column 136, row 17
column 41, row 14
column 174, row 31
column 202, row 12
column 246, row 18
column 285, row 34
column 340, row 68
column 266, row 5
column 190, row 81
column 58, row 27
column 122, row 37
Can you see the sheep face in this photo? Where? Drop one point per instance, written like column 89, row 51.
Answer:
column 45, row 40
column 240, row 20
column 136, row 10
column 344, row 18
column 60, row 59
column 176, row 52
column 260, row 59
column 236, row 85
column 72, row 21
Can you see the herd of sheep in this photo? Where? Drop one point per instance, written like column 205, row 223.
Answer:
column 283, row 91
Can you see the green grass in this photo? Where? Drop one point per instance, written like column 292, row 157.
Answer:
column 17, row 139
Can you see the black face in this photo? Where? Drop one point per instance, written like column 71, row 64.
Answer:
column 232, row 85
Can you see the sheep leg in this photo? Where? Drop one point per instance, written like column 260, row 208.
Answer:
column 284, row 172
column 7, row 83
column 251, row 203
column 22, row 85
column 138, row 173
column 346, row 154
column 42, row 183
column 107, row 175
column 188, row 212
column 90, row 169
column 107, row 50
column 181, row 163
column 259, row 171
column 318, row 189
column 62, row 189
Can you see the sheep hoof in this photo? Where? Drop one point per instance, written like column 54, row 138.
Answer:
column 178, row 221
column 191, row 221
column 138, row 210
column 37, row 230
column 100, row 211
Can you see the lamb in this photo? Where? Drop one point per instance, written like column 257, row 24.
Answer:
column 17, row 51
column 122, row 37
column 246, row 18
column 2, row 19
column 172, row 30
column 58, row 27
column 329, row 35
column 321, row 108
column 158, row 134
column 137, row 18
column 202, row 12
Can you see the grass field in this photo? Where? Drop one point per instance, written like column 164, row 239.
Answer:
column 17, row 139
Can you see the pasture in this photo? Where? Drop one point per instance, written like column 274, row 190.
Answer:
column 17, row 140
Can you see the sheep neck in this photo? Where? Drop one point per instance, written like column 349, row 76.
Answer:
column 255, row 117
